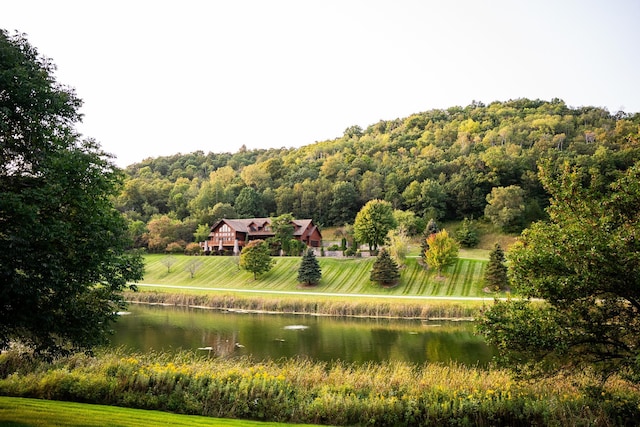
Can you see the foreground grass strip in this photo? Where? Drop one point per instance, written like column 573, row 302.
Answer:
column 303, row 391
column 15, row 411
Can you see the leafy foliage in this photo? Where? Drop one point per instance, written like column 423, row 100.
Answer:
column 467, row 234
column 505, row 207
column 309, row 272
column 439, row 164
column 255, row 258
column 63, row 259
column 585, row 264
column 385, row 270
column 442, row 251
column 373, row 222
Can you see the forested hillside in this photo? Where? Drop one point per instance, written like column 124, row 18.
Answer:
column 441, row 164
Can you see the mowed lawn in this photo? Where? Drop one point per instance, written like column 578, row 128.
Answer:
column 339, row 275
column 16, row 411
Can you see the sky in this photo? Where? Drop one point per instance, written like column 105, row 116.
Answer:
column 164, row 77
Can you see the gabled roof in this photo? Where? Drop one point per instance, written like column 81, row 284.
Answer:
column 244, row 225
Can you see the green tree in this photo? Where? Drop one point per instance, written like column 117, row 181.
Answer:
column 255, row 258
column 202, row 233
column 373, row 223
column 585, row 264
column 467, row 234
column 442, row 252
column 398, row 245
column 309, row 272
column 344, row 205
column 506, row 207
column 282, row 227
column 63, row 259
column 495, row 275
column 385, row 270
column 248, row 203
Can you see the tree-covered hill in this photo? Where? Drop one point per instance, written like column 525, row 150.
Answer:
column 442, row 164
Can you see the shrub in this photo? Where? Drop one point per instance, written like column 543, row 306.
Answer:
column 193, row 249
column 175, row 248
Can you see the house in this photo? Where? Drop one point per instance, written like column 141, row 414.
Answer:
column 233, row 234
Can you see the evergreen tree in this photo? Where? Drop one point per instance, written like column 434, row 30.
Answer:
column 309, row 272
column 385, row 270
column 495, row 275
column 467, row 234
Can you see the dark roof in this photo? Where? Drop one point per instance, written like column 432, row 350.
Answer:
column 244, row 225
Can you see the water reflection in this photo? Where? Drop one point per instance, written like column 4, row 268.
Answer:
column 265, row 336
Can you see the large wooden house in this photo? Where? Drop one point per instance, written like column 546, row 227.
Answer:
column 232, row 234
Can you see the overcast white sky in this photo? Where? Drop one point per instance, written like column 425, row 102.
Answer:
column 162, row 77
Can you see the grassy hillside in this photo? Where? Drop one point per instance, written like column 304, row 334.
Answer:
column 344, row 276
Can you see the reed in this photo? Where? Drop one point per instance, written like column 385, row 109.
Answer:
column 303, row 391
column 314, row 306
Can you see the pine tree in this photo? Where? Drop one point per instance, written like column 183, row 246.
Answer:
column 495, row 275
column 309, row 272
column 467, row 234
column 385, row 270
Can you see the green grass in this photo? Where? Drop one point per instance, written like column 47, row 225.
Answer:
column 339, row 275
column 16, row 411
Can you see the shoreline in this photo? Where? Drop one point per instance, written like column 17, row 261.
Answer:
column 449, row 311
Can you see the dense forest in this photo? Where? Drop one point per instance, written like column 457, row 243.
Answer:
column 441, row 164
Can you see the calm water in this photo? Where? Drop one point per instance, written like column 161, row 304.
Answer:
column 268, row 336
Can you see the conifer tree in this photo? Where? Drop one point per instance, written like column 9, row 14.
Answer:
column 467, row 234
column 495, row 275
column 309, row 272
column 385, row 270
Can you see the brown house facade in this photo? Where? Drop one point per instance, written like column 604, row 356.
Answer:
column 233, row 234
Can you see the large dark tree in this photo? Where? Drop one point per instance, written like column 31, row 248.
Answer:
column 585, row 264
column 63, row 260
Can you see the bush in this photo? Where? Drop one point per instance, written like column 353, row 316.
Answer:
column 175, row 248
column 193, row 249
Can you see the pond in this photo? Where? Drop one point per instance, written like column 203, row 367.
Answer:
column 274, row 336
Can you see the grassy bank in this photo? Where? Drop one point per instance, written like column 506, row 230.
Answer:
column 301, row 391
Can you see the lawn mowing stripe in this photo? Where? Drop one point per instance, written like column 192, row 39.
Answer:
column 452, row 277
column 469, row 278
column 339, row 275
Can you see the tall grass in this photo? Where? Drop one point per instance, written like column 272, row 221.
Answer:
column 315, row 306
column 299, row 390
